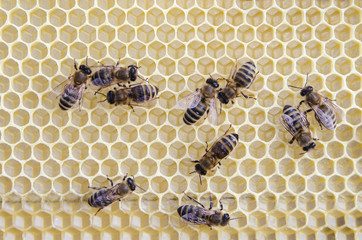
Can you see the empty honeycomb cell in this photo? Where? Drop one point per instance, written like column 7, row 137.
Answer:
column 277, row 184
column 89, row 167
column 257, row 219
column 175, row 16
column 22, row 185
column 344, row 132
column 41, row 151
column 30, row 100
column 344, row 166
column 245, row 33
column 335, row 149
column 57, row 17
column 284, row 33
column 69, row 134
column 145, row 33
column 266, row 132
column 307, row 202
column 206, row 32
column 325, row 167
column 225, row 33
column 354, row 149
column 12, row 168
column 342, row 32
column 343, row 66
column 257, row 184
column 307, row 167
column 18, row 17
column 81, row 151
column 324, row 65
column 255, row 50
column 316, row 183
column 80, row 185
column 351, row 49
column 267, row 167
column 4, row 118
column 37, row 17
column 40, row 117
column 20, row 117
column 59, row 119
column 228, row 167
column 296, row 219
column 31, row 134
column 10, row 68
column 22, row 151
column 38, row 50
column 214, row 49
column 336, row 183
column 351, row 16
column 334, row 82
column 42, row 185
column 19, row 51
column 234, row 49
column 32, row 168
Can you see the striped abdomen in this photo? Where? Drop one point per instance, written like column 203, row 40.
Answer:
column 295, row 115
column 192, row 213
column 225, row 145
column 245, row 75
column 69, row 97
column 100, row 199
column 103, row 77
column 331, row 121
column 192, row 115
column 143, row 92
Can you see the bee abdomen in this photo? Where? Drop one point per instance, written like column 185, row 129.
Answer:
column 143, row 93
column 102, row 77
column 225, row 145
column 245, row 74
column 294, row 114
column 192, row 115
column 99, row 199
column 329, row 112
column 68, row 98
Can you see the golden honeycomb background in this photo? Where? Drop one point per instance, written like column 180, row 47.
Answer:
column 49, row 157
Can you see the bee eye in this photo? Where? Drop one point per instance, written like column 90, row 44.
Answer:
column 302, row 93
column 310, row 88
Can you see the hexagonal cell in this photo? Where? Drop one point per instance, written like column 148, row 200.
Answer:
column 225, row 33
column 9, row 34
column 22, row 185
column 186, row 66
column 234, row 49
column 37, row 17
column 346, row 201
column 206, row 32
column 332, row 16
column 287, row 202
column 12, row 168
column 257, row 219
column 351, row 16
column 68, row 34
column 324, row 65
column 313, row 49
column 155, row 17
column 257, row 184
column 57, row 17
column 48, row 33
column 294, row 16
column 284, row 33
column 166, row 66
column 342, row 32
column 96, row 17
column 175, row 16
column 255, row 50
column 28, row 33
column 351, row 49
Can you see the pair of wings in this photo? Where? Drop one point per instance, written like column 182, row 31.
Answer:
column 193, row 99
column 288, row 123
column 191, row 218
column 325, row 119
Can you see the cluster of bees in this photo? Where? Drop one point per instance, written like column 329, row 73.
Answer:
column 202, row 101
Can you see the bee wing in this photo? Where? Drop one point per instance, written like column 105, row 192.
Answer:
column 233, row 71
column 81, row 94
column 191, row 218
column 190, row 101
column 325, row 119
column 338, row 111
column 287, row 123
column 212, row 112
column 58, row 89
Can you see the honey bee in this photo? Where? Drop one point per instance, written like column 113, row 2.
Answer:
column 73, row 90
column 217, row 152
column 325, row 112
column 109, row 75
column 107, row 195
column 202, row 216
column 298, row 126
column 241, row 78
column 199, row 102
column 136, row 94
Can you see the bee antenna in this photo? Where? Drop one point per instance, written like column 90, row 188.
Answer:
column 139, row 187
column 103, row 95
column 294, row 87
column 302, row 153
column 306, row 81
column 192, row 172
column 200, row 179
column 236, row 218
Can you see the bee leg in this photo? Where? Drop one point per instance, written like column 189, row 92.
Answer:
column 319, row 121
column 300, row 103
column 246, row 96
column 207, row 146
column 97, row 188
column 98, row 211
column 75, row 65
column 110, row 180
column 131, row 107
column 315, row 139
column 125, row 176
column 211, row 203
column 194, row 200
column 291, row 141
column 221, row 206
column 195, row 161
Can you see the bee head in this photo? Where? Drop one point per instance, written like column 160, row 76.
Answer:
column 225, row 219
column 132, row 72
column 131, row 184
column 212, row 82
column 306, row 90
column 111, row 97
column 85, row 69
column 310, row 146
column 222, row 97
column 200, row 170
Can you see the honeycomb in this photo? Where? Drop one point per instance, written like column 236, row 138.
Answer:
column 49, row 157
